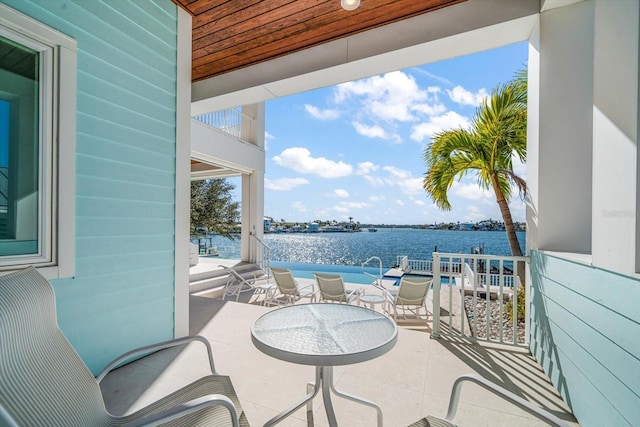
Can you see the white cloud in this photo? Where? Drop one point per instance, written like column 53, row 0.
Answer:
column 299, row 206
column 386, row 97
column 418, row 202
column 299, row 159
column 474, row 214
column 404, row 180
column 365, row 168
column 284, row 184
column 319, row 114
column 376, row 198
column 267, row 135
column 399, row 202
column 338, row 192
column 373, row 131
column 447, row 121
column 346, row 207
column 373, row 180
column 429, row 109
column 462, row 96
column 471, row 191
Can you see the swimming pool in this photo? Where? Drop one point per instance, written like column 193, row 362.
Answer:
column 349, row 273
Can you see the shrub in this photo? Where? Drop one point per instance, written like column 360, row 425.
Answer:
column 521, row 305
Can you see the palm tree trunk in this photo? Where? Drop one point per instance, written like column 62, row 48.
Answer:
column 514, row 245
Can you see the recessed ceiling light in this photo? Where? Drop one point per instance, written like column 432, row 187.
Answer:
column 350, row 4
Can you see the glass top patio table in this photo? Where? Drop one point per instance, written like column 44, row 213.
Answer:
column 324, row 334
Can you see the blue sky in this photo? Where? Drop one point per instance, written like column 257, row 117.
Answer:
column 356, row 149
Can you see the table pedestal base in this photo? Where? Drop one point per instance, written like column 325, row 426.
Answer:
column 324, row 382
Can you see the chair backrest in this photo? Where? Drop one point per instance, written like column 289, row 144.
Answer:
column 43, row 381
column 413, row 291
column 236, row 276
column 331, row 287
column 284, row 280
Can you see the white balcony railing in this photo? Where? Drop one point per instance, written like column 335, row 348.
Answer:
column 473, row 291
column 408, row 265
column 232, row 122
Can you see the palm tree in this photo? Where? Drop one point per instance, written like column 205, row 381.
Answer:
column 498, row 132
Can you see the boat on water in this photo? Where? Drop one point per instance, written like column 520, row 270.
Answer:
column 372, row 230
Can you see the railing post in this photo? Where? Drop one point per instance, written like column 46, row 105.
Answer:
column 435, row 334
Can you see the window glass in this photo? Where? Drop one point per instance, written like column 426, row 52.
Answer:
column 20, row 201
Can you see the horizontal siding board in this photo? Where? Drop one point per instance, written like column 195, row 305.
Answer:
column 128, row 116
column 125, row 152
column 86, row 227
column 100, row 208
column 106, row 71
column 584, row 333
column 162, row 11
column 117, row 245
column 122, row 295
column 123, row 28
column 118, row 95
column 91, row 125
column 121, row 171
column 620, row 331
column 112, row 188
column 598, row 285
column 148, row 262
column 604, row 365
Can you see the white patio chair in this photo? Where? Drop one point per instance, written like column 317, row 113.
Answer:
column 411, row 296
column 331, row 288
column 237, row 284
column 45, row 382
column 447, row 421
column 287, row 290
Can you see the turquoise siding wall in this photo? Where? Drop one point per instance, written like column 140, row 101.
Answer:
column 585, row 332
column 122, row 294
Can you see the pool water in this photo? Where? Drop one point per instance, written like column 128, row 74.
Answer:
column 349, row 273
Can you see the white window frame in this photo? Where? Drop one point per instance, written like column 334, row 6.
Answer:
column 56, row 235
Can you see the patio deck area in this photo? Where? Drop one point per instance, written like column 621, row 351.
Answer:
column 412, row 380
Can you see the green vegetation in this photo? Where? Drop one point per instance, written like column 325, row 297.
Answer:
column 508, row 308
column 497, row 134
column 213, row 208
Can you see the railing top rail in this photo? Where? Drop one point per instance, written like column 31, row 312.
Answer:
column 480, row 256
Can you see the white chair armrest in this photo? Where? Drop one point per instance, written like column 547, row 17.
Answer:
column 156, row 347
column 187, row 408
column 504, row 393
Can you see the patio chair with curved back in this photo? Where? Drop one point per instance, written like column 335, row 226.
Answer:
column 454, row 399
column 288, row 291
column 331, row 288
column 237, row 284
column 46, row 383
column 411, row 296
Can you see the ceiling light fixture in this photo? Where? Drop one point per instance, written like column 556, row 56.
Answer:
column 350, row 4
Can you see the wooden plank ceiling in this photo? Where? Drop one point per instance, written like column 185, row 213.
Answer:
column 232, row 34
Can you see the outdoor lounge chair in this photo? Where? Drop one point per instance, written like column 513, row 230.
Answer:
column 236, row 284
column 411, row 296
column 44, row 382
column 331, row 288
column 288, row 291
column 447, row 421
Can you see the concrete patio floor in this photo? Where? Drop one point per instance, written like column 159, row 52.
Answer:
column 412, row 380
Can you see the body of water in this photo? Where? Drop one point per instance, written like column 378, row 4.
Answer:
column 352, row 249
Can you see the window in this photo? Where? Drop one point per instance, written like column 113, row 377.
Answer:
column 37, row 145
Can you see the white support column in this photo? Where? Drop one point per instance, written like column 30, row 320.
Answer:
column 253, row 189
column 182, row 182
column 560, row 148
column 615, row 136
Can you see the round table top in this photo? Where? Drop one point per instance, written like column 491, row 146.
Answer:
column 324, row 334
